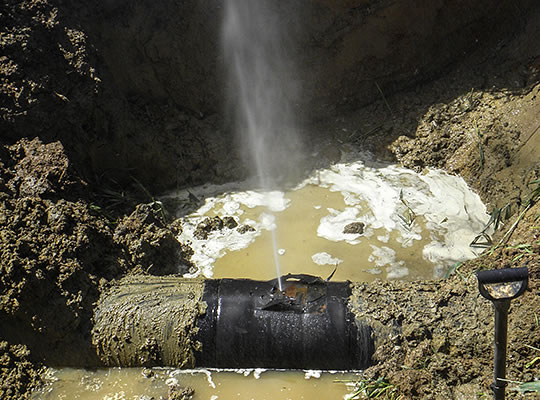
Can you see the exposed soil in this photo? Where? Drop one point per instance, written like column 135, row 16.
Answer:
column 59, row 249
column 480, row 121
column 437, row 338
column 73, row 138
column 18, row 374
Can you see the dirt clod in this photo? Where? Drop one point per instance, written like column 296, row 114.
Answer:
column 245, row 228
column 354, row 228
column 180, row 393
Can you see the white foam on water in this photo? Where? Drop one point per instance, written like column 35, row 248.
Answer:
column 452, row 214
column 206, row 252
column 331, row 227
column 396, row 271
column 323, row 258
column 230, row 203
column 386, row 257
column 435, row 196
column 258, row 371
column 194, row 371
column 116, row 396
column 312, row 373
column 267, row 221
column 384, row 238
column 218, row 243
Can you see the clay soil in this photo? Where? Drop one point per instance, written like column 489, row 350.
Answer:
column 480, row 121
column 65, row 237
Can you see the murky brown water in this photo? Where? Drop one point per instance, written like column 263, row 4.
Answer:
column 308, row 225
column 415, row 226
column 131, row 384
column 296, row 233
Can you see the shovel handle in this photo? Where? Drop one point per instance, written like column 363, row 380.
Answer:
column 506, row 275
column 503, row 275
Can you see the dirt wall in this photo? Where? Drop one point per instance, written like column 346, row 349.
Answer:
column 103, row 121
column 136, row 88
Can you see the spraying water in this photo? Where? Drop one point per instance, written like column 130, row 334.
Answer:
column 260, row 90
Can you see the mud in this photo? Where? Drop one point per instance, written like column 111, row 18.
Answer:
column 17, row 372
column 136, row 90
column 149, row 243
column 481, row 122
column 440, row 335
column 149, row 322
column 59, row 249
column 75, row 131
column 213, row 224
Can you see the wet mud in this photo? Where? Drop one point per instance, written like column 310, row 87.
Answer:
column 437, row 337
column 71, row 142
column 60, row 248
column 149, row 321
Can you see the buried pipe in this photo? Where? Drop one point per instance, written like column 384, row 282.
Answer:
column 231, row 323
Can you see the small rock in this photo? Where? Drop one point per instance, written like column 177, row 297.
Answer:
column 356, row 228
column 245, row 228
column 179, row 393
column 206, row 226
column 230, row 222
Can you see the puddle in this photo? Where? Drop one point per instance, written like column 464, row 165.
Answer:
column 131, row 384
column 408, row 226
column 405, row 226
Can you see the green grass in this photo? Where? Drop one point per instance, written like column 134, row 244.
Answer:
column 498, row 216
column 373, row 389
column 408, row 217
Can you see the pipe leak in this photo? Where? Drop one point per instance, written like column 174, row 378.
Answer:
column 232, row 323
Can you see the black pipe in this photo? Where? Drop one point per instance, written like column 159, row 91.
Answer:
column 307, row 325
column 227, row 323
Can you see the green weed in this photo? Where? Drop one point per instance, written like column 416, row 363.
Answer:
column 455, row 269
column 524, row 387
column 374, row 389
column 536, row 359
column 533, row 386
column 483, row 239
column 533, row 198
column 408, row 217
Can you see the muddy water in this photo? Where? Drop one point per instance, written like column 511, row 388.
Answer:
column 408, row 226
column 295, row 228
column 412, row 226
column 131, row 384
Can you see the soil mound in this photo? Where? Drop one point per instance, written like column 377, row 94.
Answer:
column 59, row 248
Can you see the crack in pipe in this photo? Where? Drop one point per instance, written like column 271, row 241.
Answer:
column 232, row 323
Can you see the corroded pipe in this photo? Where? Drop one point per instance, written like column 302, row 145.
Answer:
column 231, row 323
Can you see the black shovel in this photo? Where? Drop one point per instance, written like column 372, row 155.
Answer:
column 500, row 286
